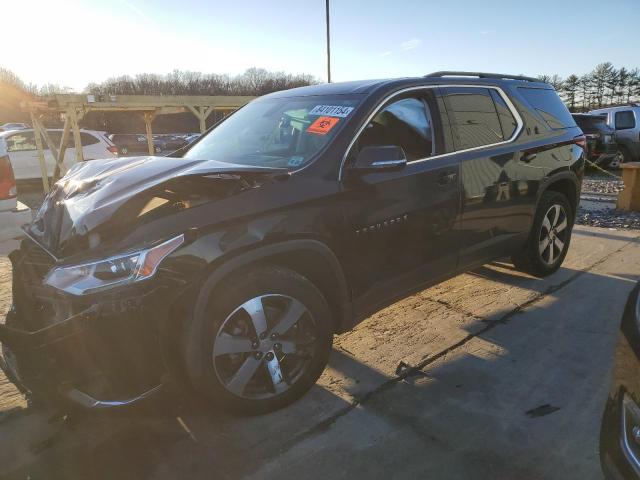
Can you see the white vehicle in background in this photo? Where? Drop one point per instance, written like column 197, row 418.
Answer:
column 13, row 214
column 22, row 150
column 14, row 126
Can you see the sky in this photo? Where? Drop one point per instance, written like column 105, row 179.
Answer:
column 74, row 42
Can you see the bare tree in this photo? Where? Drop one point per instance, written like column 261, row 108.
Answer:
column 556, row 82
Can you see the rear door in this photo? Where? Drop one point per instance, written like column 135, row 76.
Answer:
column 496, row 201
column 625, row 124
column 22, row 150
column 402, row 223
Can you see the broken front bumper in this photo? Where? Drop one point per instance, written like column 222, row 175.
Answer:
column 31, row 360
column 100, row 353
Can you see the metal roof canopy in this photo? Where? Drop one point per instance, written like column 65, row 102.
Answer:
column 74, row 106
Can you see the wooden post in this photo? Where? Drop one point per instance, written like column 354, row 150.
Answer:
column 199, row 114
column 205, row 111
column 50, row 144
column 148, row 118
column 629, row 198
column 63, row 147
column 43, row 165
column 77, row 139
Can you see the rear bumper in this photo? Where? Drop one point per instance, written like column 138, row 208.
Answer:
column 603, row 158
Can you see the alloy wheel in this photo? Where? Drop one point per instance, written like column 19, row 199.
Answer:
column 264, row 346
column 553, row 234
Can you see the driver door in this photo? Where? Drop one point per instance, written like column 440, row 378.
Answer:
column 402, row 223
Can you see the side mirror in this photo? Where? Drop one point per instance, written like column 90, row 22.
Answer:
column 380, row 158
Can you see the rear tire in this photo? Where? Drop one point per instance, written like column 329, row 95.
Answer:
column 262, row 341
column 548, row 242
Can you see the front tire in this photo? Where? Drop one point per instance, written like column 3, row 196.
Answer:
column 262, row 341
column 550, row 236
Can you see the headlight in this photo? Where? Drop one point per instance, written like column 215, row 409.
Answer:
column 117, row 270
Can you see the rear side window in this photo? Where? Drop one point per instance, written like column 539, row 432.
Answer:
column 591, row 123
column 88, row 139
column 547, row 103
column 21, row 142
column 507, row 120
column 405, row 123
column 473, row 116
column 625, row 120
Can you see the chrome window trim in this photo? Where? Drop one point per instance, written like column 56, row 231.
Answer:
column 505, row 97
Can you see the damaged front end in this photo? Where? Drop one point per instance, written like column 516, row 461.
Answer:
column 96, row 278
column 100, row 350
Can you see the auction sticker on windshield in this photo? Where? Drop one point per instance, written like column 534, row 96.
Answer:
column 331, row 110
column 323, row 125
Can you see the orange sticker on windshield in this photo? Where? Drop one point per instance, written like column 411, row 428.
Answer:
column 323, row 125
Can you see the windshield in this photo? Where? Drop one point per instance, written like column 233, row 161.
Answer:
column 279, row 132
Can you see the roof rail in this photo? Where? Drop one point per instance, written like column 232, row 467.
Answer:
column 447, row 73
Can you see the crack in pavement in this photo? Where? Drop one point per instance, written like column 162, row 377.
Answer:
column 325, row 424
column 455, row 308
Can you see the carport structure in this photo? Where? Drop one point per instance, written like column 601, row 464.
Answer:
column 73, row 107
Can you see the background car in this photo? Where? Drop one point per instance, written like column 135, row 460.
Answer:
column 602, row 148
column 168, row 143
column 191, row 137
column 134, row 144
column 620, row 428
column 625, row 120
column 13, row 214
column 22, row 150
column 14, row 126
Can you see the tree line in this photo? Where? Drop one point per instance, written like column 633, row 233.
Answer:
column 253, row 82
column 604, row 86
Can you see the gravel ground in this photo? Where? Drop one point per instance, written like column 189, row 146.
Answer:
column 597, row 206
column 597, row 182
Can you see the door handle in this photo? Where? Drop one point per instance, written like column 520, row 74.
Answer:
column 446, row 178
column 527, row 157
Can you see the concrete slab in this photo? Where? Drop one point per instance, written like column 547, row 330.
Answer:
column 492, row 345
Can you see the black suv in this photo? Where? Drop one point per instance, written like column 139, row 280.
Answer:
column 231, row 264
column 602, row 148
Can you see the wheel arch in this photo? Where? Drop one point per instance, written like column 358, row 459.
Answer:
column 565, row 183
column 310, row 258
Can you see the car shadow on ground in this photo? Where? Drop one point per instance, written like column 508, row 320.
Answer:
column 465, row 413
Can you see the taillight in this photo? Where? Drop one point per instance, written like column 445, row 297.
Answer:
column 113, row 149
column 581, row 141
column 7, row 180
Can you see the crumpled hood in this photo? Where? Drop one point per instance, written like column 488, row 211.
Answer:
column 92, row 192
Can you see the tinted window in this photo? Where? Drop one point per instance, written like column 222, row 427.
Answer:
column 625, row 120
column 507, row 120
column 87, row 139
column 473, row 117
column 405, row 123
column 549, row 106
column 591, row 123
column 21, row 142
